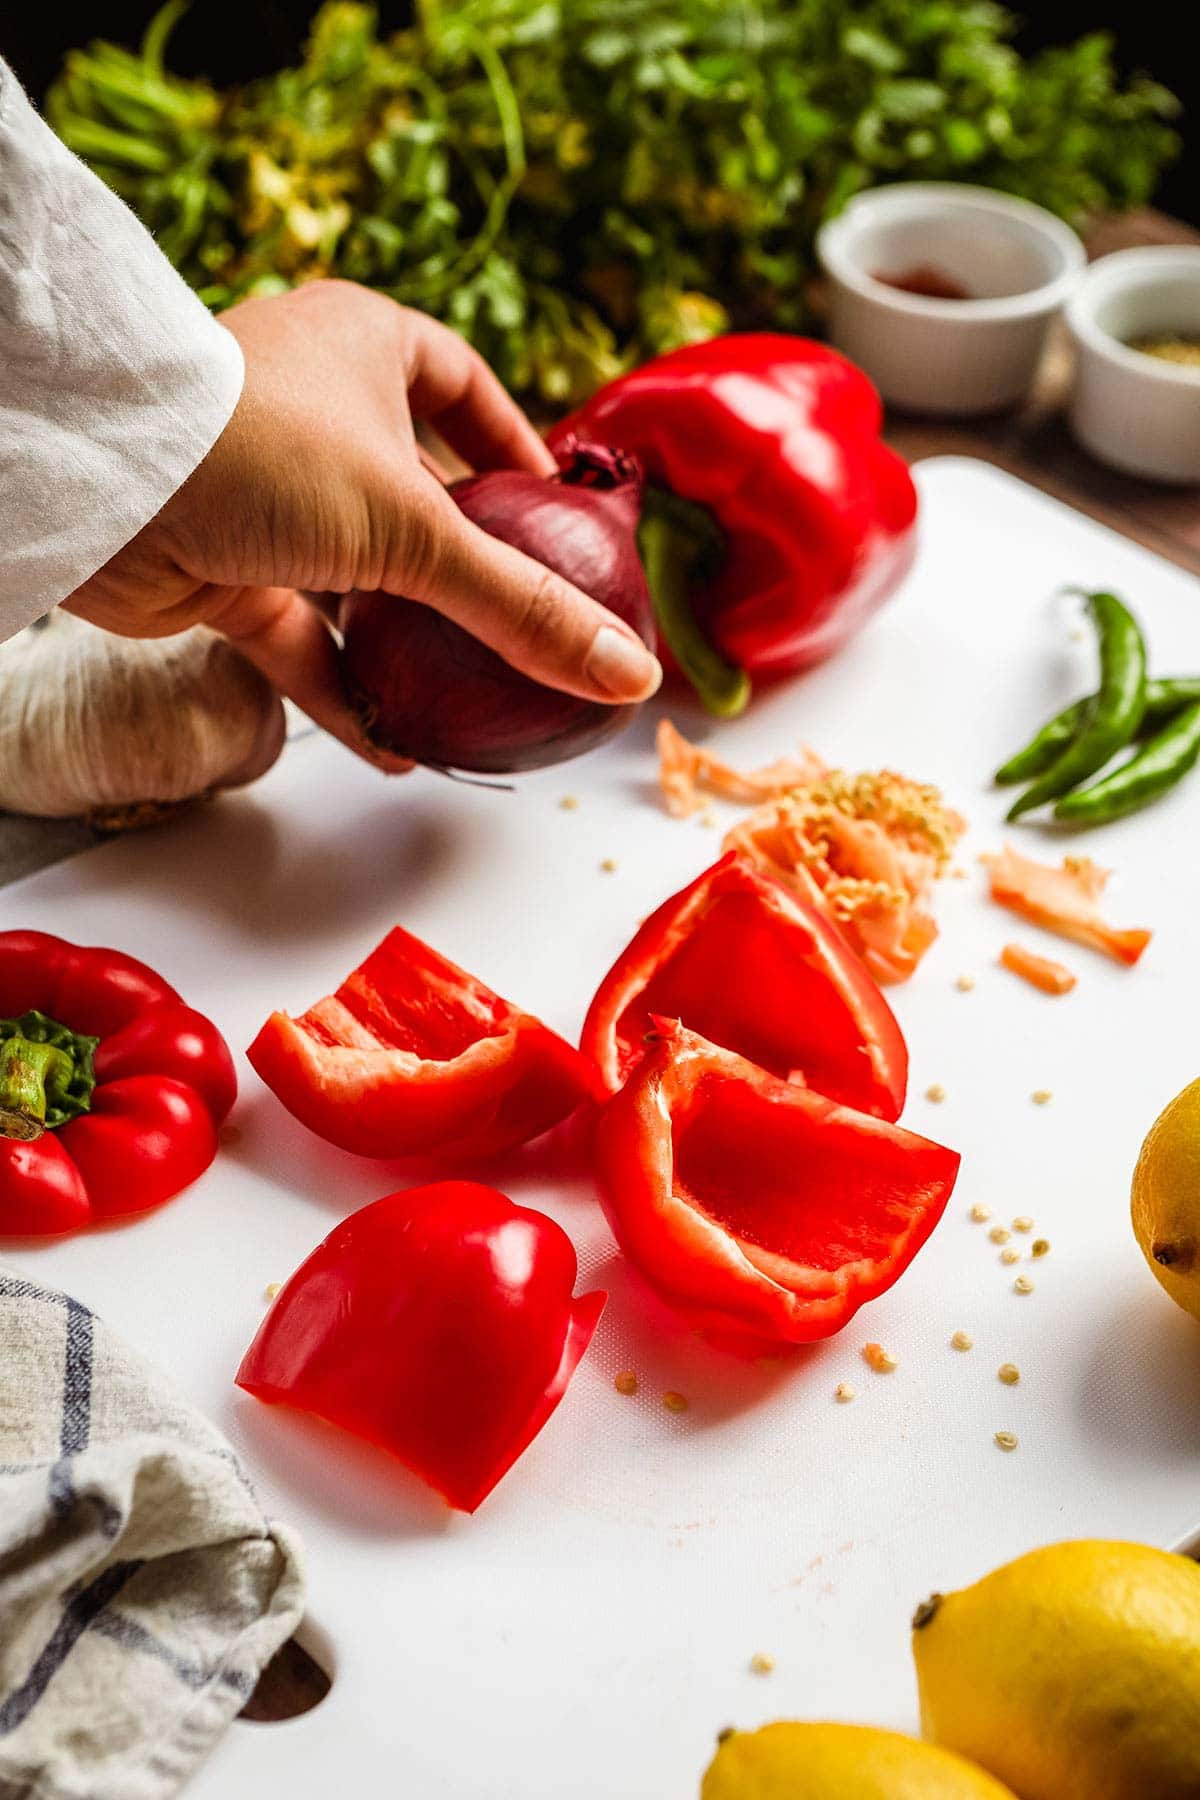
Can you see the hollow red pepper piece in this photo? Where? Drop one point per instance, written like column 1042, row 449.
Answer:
column 440, row 1324
column 801, row 519
column 760, row 1210
column 754, row 968
column 111, row 1088
column 413, row 1056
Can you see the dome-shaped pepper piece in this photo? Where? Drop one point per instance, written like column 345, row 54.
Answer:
column 439, row 1324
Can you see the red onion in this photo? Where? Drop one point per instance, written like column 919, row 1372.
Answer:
column 430, row 691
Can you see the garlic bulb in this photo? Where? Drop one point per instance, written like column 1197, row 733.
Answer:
column 121, row 730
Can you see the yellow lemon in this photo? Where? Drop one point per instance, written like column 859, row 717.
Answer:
column 840, row 1762
column 1072, row 1673
column 1166, row 1198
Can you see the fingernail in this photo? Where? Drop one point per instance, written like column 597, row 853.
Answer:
column 622, row 666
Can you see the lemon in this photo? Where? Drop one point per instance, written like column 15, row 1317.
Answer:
column 1072, row 1673
column 1166, row 1198
column 840, row 1762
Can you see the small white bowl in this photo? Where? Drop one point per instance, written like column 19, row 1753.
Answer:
column 1133, row 411
column 960, row 357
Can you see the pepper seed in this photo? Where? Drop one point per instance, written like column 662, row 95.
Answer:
column 626, row 1382
column 762, row 1663
column 1010, row 1256
column 843, row 1393
column 1007, row 1440
column 962, row 1340
column 981, row 1213
column 1009, row 1374
column 1041, row 1096
column 1024, row 1223
column 1022, row 1285
column 935, row 1093
column 881, row 1360
column 999, row 1234
column 675, row 1403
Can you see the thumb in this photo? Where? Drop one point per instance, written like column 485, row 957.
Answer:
column 533, row 618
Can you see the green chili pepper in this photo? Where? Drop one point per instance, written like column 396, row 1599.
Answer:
column 1162, row 762
column 1111, row 716
column 1164, row 698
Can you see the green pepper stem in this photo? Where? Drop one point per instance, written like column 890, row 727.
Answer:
column 30, row 1076
column 679, row 544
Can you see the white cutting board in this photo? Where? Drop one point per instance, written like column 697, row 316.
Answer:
column 588, row 1632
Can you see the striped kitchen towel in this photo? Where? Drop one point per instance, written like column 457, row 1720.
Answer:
column 142, row 1591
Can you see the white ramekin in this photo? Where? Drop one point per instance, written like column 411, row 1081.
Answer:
column 1133, row 411
column 947, row 356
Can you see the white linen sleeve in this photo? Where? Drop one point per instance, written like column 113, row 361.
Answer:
column 115, row 381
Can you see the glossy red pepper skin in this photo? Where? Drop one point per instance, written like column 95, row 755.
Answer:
column 779, row 438
column 439, row 1324
column 755, row 969
column 761, row 1211
column 164, row 1083
column 413, row 1056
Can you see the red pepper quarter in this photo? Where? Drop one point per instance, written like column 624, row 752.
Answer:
column 413, row 1056
column 776, row 520
column 111, row 1088
column 759, row 971
column 761, row 1211
column 439, row 1324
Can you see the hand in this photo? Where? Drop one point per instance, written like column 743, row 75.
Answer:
column 317, row 484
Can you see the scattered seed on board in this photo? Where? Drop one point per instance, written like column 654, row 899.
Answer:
column 570, row 803
column 981, row 1213
column 1041, row 1096
column 843, row 1392
column 881, row 1360
column 675, row 1402
column 1024, row 1223
column 999, row 1234
column 625, row 1382
column 965, row 983
column 708, row 820
column 1007, row 1440
column 762, row 1663
column 935, row 1092
column 272, row 1288
column 1022, row 1285
column 1010, row 1256
column 1040, row 1247
column 962, row 1340
column 609, row 865
column 1009, row 1374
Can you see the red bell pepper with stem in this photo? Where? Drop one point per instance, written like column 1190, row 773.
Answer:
column 111, row 1088
column 413, row 1056
column 775, row 519
column 761, row 1211
column 757, row 970
column 439, row 1324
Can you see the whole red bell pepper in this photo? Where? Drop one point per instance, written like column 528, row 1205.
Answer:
column 439, row 1324
column 775, row 519
column 756, row 969
column 761, row 1211
column 111, row 1088
column 413, row 1056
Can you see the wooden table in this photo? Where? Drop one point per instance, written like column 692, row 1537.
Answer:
column 1034, row 444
